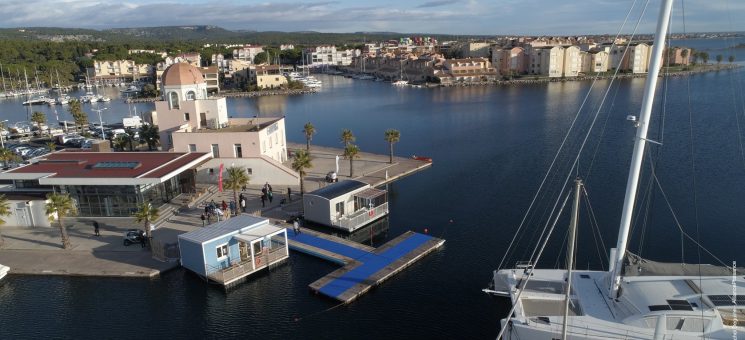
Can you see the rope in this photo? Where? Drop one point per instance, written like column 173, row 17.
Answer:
column 298, row 319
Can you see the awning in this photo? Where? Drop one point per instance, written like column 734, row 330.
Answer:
column 370, row 193
column 258, row 233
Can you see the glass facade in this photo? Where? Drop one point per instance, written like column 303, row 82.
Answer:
column 124, row 200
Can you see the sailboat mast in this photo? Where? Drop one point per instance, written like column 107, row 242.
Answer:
column 2, row 75
column 641, row 138
column 570, row 254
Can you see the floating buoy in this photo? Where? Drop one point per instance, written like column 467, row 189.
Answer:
column 426, row 230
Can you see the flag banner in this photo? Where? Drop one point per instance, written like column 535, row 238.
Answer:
column 219, row 177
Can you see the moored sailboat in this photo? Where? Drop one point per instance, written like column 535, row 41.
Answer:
column 635, row 298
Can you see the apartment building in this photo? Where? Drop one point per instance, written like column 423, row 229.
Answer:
column 547, row 61
column 509, row 61
column 266, row 76
column 572, row 61
column 118, row 71
column 465, row 70
column 595, row 61
column 247, row 52
column 211, row 76
column 327, row 55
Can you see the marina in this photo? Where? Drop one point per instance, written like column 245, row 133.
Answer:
column 363, row 267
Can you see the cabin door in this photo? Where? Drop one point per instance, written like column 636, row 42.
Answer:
column 243, row 248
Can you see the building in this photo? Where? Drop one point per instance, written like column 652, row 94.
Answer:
column 466, row 70
column 678, row 56
column 285, row 47
column 108, row 72
column 547, row 61
column 247, row 52
column 595, row 61
column 107, row 184
column 190, row 121
column 211, row 78
column 186, row 103
column 572, row 61
column 228, row 252
column 347, row 205
column 327, row 55
column 509, row 61
column 266, row 76
column 27, row 208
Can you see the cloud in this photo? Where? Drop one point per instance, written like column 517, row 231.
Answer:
column 536, row 17
column 437, row 3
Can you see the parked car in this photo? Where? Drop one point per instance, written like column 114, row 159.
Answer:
column 132, row 236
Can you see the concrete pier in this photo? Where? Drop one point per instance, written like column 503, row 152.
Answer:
column 374, row 169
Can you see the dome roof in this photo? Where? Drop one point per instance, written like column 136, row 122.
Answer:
column 182, row 74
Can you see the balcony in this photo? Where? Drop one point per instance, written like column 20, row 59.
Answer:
column 242, row 268
column 361, row 217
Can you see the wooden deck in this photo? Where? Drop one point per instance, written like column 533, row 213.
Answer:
column 363, row 267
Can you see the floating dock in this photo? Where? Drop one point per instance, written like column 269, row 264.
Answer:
column 363, row 266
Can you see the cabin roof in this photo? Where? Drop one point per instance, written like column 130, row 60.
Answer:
column 339, row 188
column 222, row 228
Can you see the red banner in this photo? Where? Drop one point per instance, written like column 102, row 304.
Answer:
column 219, row 177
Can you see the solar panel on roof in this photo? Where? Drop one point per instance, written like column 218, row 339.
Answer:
column 116, row 165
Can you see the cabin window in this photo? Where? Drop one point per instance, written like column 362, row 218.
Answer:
column 173, row 101
column 340, row 209
column 222, row 251
column 192, row 148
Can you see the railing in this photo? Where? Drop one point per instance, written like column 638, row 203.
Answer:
column 361, row 217
column 241, row 268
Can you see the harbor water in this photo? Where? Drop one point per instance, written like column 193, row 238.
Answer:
column 491, row 147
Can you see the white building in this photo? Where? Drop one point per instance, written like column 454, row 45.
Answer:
column 247, row 52
column 328, row 55
column 346, row 205
column 572, row 61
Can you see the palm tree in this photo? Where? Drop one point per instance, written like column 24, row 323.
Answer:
column 392, row 136
column 6, row 156
column 149, row 134
column 121, row 142
column 145, row 214
column 4, row 211
column 731, row 59
column 51, row 146
column 300, row 162
column 351, row 152
column 60, row 205
column 236, row 179
column 39, row 118
column 347, row 137
column 76, row 111
column 309, row 131
column 719, row 58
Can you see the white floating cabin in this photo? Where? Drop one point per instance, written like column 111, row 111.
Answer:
column 229, row 251
column 347, row 205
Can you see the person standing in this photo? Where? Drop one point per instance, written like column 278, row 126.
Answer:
column 203, row 219
column 224, row 205
column 296, row 226
column 243, row 204
column 233, row 211
column 263, row 200
column 96, row 227
column 270, row 195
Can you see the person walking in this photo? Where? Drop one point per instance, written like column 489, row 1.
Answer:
column 296, row 226
column 96, row 228
column 263, row 200
column 224, row 205
column 243, row 204
column 203, row 219
column 233, row 211
column 270, row 195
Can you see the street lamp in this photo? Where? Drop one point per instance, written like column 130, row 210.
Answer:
column 100, row 121
column 2, row 124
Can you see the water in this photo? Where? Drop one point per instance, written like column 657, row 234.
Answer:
column 490, row 147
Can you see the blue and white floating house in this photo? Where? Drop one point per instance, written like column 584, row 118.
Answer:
column 227, row 252
column 347, row 205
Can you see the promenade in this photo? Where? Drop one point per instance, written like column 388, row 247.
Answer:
column 38, row 251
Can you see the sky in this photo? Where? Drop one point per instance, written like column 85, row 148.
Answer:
column 460, row 17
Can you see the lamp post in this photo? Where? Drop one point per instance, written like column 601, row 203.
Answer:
column 100, row 121
column 2, row 124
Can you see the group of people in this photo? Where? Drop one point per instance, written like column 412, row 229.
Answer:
column 212, row 209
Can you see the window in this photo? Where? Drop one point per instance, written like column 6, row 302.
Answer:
column 173, row 100
column 263, row 146
column 190, row 95
column 215, row 151
column 192, row 148
column 222, row 251
column 186, row 116
column 340, row 209
column 250, row 171
column 238, row 151
column 212, row 171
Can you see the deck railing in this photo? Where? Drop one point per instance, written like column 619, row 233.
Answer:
column 361, row 217
column 241, row 268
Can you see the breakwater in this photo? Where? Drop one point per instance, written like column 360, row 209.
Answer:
column 235, row 94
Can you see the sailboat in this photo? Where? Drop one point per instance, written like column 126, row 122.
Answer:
column 401, row 81
column 636, row 298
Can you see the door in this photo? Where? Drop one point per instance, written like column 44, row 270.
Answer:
column 23, row 217
column 257, row 250
column 243, row 248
